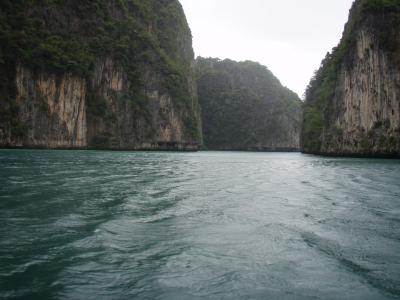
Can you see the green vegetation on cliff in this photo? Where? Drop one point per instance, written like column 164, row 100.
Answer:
column 244, row 106
column 70, row 35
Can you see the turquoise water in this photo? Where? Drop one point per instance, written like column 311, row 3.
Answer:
column 207, row 225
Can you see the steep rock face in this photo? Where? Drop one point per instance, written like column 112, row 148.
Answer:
column 244, row 107
column 52, row 109
column 356, row 93
column 101, row 74
column 122, row 125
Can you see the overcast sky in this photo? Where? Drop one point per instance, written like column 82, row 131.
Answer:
column 290, row 37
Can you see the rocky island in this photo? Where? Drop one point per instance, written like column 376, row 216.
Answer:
column 97, row 74
column 352, row 104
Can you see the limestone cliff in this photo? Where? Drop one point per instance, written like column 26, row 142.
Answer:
column 353, row 102
column 97, row 74
column 245, row 107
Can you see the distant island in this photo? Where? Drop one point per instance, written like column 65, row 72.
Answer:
column 245, row 107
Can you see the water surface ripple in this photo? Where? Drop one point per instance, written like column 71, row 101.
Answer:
column 207, row 225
